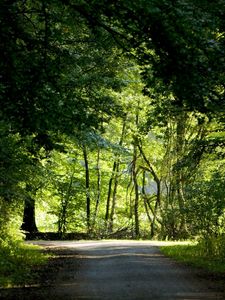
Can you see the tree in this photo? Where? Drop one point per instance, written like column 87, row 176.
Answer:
column 55, row 74
column 112, row 190
column 87, row 185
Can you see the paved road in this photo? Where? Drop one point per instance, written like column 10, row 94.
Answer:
column 125, row 270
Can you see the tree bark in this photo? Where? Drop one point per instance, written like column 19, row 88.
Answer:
column 114, row 198
column 109, row 193
column 158, row 183
column 98, row 189
column 136, row 193
column 87, row 186
column 29, row 222
column 145, row 198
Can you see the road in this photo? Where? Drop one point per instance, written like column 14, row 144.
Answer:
column 125, row 270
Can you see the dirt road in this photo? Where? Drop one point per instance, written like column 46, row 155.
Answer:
column 117, row 270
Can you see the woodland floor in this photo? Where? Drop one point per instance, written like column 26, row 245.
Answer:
column 115, row 270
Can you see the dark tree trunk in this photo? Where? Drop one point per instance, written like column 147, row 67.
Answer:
column 136, row 192
column 109, row 193
column 87, row 184
column 98, row 189
column 114, row 198
column 29, row 223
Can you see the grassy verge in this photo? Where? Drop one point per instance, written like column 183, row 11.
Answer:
column 17, row 262
column 193, row 254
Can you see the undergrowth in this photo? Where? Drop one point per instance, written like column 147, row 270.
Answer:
column 17, row 262
column 208, row 254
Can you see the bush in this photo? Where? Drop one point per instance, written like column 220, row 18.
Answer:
column 212, row 246
column 17, row 260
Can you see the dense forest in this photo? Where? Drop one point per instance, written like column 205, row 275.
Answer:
column 112, row 118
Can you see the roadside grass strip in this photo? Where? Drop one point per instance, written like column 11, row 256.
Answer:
column 17, row 263
column 193, row 254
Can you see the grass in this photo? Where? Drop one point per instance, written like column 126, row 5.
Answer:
column 18, row 261
column 193, row 254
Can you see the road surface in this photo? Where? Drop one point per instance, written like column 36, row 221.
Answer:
column 126, row 270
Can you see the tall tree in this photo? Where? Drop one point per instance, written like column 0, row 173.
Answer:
column 87, row 185
column 114, row 181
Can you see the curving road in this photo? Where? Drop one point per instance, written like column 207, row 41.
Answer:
column 125, row 270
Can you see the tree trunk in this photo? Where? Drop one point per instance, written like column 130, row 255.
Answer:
column 29, row 222
column 136, row 193
column 151, row 170
column 109, row 193
column 87, row 185
column 179, row 176
column 64, row 208
column 98, row 189
column 145, row 199
column 114, row 177
column 114, row 198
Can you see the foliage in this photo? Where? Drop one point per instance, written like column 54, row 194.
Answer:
column 13, row 156
column 179, row 44
column 56, row 69
column 206, row 205
column 17, row 260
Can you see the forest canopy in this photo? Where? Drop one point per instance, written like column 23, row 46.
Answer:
column 112, row 118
